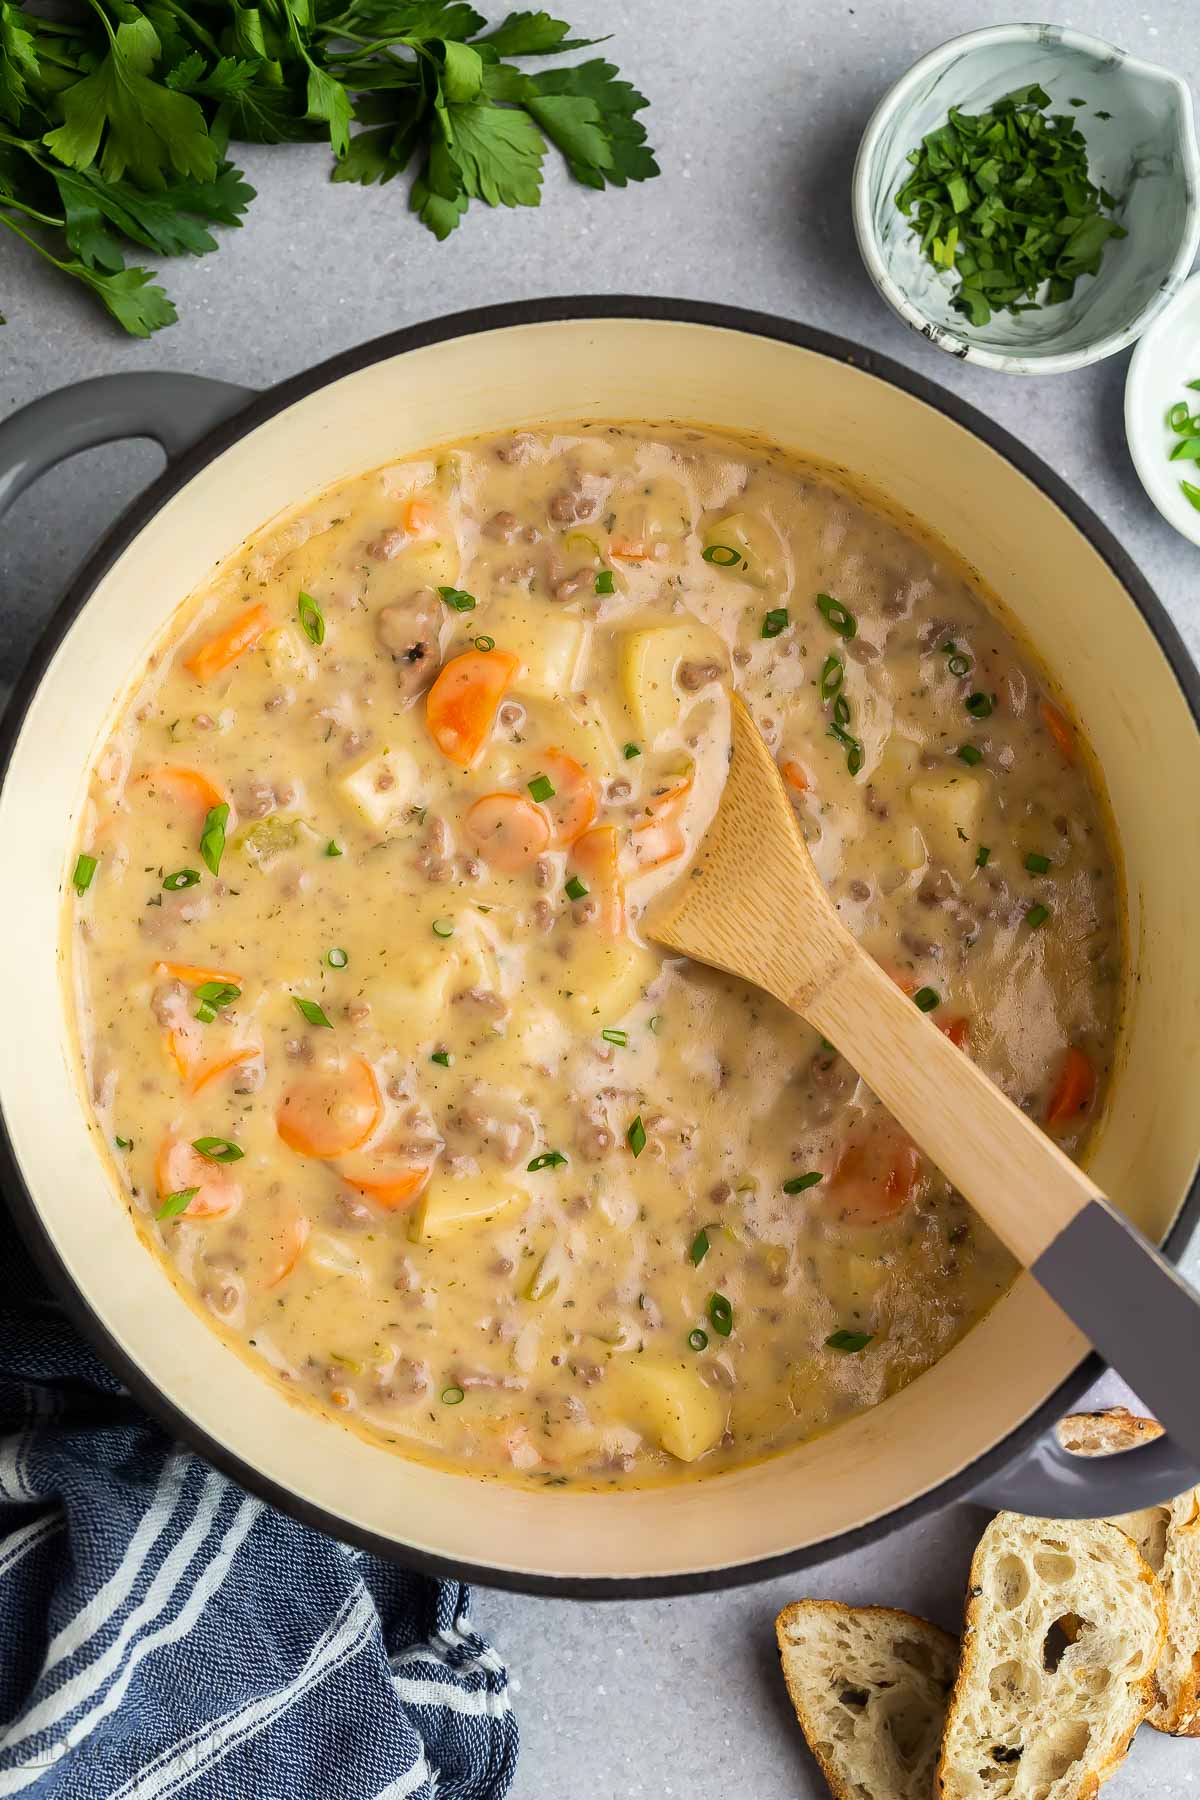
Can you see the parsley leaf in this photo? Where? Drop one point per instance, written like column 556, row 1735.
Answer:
column 145, row 127
column 18, row 62
column 532, row 34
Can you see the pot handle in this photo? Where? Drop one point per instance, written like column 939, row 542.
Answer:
column 1053, row 1483
column 175, row 410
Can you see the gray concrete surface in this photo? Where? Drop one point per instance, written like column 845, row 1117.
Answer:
column 756, row 112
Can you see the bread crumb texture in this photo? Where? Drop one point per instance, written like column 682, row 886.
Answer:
column 1064, row 1629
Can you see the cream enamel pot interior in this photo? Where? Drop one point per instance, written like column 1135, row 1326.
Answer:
column 977, row 1417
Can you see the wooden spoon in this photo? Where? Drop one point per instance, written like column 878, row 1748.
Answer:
column 753, row 904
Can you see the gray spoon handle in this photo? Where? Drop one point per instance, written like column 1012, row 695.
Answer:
column 1141, row 1316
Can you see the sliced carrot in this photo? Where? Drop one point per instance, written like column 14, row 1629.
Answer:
column 957, row 1030
column 200, row 1055
column 177, row 1166
column 218, row 652
column 292, row 1237
column 1059, row 727
column 461, row 706
column 387, row 1181
column 874, row 1178
column 509, row 831
column 573, row 806
column 188, row 787
column 629, row 549
column 193, row 976
column 795, row 776
column 331, row 1111
column 1073, row 1090
column 420, row 518
column 659, row 838
column 596, row 857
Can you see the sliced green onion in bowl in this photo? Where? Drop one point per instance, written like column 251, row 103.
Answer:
column 85, row 868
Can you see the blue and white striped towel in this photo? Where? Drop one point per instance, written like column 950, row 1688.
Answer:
column 162, row 1634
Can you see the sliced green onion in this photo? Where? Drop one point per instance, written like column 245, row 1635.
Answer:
column 854, row 759
column 484, row 642
column 176, row 1203
column 181, row 878
column 635, row 1137
column 85, row 868
column 1186, row 450
column 206, row 1012
column 604, row 582
column 1191, row 493
column 958, row 662
column 724, row 556
column 1037, row 915
column 629, row 751
column 457, row 599
column 1177, row 418
column 841, row 710
column 312, row 1012
column 981, row 856
column 549, row 1159
column 123, row 1143
column 337, row 958
column 442, row 1057
column 700, row 1248
column 926, row 998
column 333, row 849
column 575, row 890
column 775, row 621
column 612, row 1036
column 312, row 619
column 542, row 788
column 212, row 838
column 452, row 1396
column 833, row 673
column 443, row 928
column 1037, row 864
column 979, row 706
column 848, row 1341
column 656, row 1023
column 839, row 618
column 217, row 993
column 218, row 1149
column 970, row 754
column 796, row 1184
column 698, row 1340
column 720, row 1314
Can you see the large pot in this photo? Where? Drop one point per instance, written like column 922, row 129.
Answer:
column 980, row 1418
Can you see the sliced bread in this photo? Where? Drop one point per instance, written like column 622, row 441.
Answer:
column 870, row 1687
column 1065, row 1625
column 1104, row 1433
column 1168, row 1536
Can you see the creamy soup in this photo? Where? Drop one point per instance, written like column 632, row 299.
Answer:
column 389, row 1076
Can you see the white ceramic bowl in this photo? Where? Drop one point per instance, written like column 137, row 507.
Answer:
column 1145, row 154
column 1167, row 358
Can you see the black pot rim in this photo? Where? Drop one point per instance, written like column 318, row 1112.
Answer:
column 265, row 406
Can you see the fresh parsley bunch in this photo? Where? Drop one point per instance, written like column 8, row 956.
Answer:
column 115, row 123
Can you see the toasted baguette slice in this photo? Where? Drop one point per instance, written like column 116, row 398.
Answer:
column 1065, row 1625
column 1168, row 1537
column 870, row 1687
column 1104, row 1433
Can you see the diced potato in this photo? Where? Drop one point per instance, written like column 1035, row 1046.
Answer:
column 430, row 562
column 287, row 654
column 455, row 1202
column 899, row 760
column 949, row 809
column 576, row 726
column 605, row 976
column 671, row 1404
column 763, row 555
column 650, row 659
column 549, row 643
column 383, row 789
